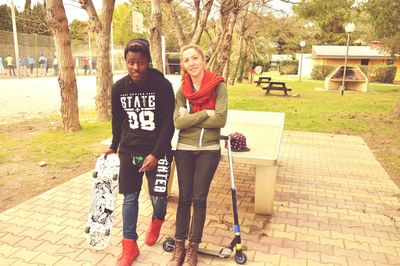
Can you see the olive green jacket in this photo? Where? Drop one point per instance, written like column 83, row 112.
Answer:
column 198, row 129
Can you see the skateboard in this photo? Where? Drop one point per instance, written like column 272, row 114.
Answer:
column 102, row 204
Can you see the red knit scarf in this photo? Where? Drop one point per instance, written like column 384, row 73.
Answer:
column 204, row 98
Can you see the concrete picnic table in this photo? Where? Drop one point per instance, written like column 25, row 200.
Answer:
column 263, row 132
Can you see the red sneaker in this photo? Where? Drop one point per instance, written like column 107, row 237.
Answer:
column 154, row 231
column 130, row 251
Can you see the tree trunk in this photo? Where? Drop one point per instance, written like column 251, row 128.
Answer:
column 176, row 23
column 196, row 4
column 201, row 22
column 242, row 49
column 239, row 61
column 243, row 58
column 102, row 31
column 155, row 34
column 67, row 81
column 225, row 53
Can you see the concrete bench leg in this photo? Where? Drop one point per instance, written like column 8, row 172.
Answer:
column 265, row 189
column 171, row 177
column 145, row 185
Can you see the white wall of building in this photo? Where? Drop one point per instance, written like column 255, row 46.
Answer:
column 307, row 65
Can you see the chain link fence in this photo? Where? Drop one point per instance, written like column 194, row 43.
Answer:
column 35, row 45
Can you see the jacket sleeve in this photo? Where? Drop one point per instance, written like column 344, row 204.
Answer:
column 221, row 109
column 188, row 120
column 118, row 116
column 163, row 143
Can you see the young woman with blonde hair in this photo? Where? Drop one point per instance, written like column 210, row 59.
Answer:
column 200, row 113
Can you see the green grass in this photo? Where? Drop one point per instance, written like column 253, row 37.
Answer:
column 319, row 111
column 64, row 148
column 57, row 148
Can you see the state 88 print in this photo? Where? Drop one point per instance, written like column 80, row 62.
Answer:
column 143, row 120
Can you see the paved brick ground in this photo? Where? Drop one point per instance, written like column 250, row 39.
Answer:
column 335, row 205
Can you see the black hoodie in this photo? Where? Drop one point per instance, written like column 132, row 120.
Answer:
column 142, row 117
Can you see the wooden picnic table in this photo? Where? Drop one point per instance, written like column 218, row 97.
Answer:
column 276, row 85
column 263, row 80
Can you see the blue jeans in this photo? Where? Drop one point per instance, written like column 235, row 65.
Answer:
column 130, row 211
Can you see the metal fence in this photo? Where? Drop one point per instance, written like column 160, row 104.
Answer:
column 35, row 45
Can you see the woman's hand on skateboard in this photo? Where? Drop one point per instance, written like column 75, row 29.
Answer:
column 149, row 163
column 107, row 152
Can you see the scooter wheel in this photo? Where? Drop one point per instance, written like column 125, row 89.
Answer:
column 240, row 258
column 169, row 244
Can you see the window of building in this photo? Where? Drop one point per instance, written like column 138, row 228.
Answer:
column 364, row 62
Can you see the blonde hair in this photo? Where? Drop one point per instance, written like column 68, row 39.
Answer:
column 187, row 47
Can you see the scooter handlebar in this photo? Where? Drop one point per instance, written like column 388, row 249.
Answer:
column 222, row 137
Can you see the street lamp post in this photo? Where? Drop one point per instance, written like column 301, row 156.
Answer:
column 302, row 44
column 349, row 28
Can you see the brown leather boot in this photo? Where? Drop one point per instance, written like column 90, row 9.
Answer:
column 179, row 253
column 191, row 255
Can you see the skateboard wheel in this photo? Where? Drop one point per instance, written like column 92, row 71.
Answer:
column 240, row 257
column 115, row 177
column 169, row 244
column 107, row 233
column 95, row 174
column 87, row 229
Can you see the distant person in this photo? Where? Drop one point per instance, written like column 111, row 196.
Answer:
column 142, row 105
column 55, row 65
column 31, row 63
column 10, row 65
column 22, row 67
column 1, row 66
column 42, row 65
column 85, row 62
column 94, row 64
column 26, row 65
column 48, row 63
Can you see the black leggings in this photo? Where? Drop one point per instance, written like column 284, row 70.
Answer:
column 196, row 170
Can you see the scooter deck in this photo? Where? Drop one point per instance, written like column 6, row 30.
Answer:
column 214, row 253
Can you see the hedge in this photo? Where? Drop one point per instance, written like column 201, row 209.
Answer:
column 289, row 67
column 380, row 73
column 320, row 72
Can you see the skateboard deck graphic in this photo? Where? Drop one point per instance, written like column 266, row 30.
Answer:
column 102, row 204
